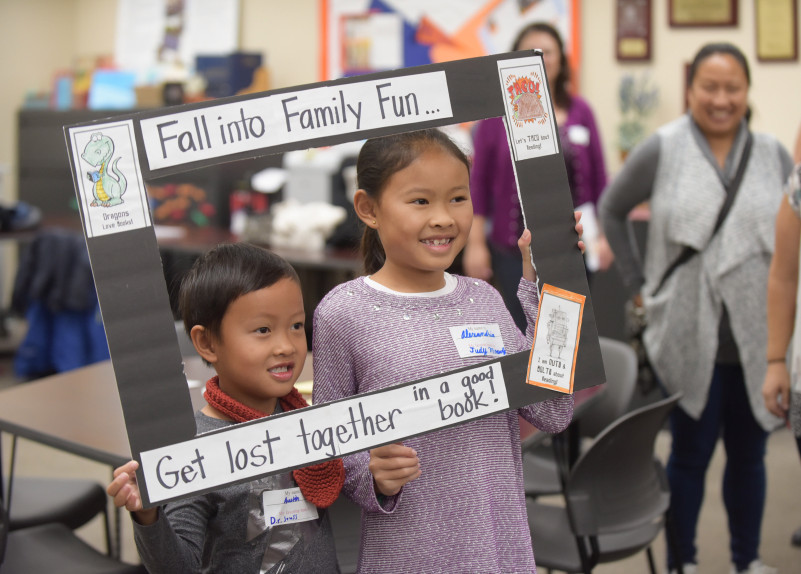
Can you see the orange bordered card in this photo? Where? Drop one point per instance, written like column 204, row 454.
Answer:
column 552, row 362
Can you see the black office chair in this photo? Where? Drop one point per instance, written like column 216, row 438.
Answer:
column 541, row 474
column 53, row 548
column 346, row 523
column 72, row 502
column 616, row 499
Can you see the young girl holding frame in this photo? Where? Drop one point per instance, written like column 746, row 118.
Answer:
column 452, row 500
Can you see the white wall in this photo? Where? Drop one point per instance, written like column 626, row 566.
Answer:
column 36, row 40
column 40, row 37
column 287, row 32
column 775, row 94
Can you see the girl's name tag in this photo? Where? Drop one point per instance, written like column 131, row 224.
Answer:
column 287, row 506
column 478, row 340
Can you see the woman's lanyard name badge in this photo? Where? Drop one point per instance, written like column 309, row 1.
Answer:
column 287, row 506
column 552, row 362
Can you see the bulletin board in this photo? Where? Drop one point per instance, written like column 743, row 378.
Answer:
column 112, row 161
column 363, row 36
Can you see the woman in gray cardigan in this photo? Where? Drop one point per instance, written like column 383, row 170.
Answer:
column 706, row 331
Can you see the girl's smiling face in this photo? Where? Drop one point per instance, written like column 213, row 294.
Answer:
column 718, row 95
column 423, row 217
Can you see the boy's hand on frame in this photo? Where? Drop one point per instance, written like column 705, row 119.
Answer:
column 125, row 492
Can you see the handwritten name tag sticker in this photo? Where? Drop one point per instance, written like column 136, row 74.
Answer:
column 552, row 362
column 578, row 135
column 286, row 506
column 478, row 340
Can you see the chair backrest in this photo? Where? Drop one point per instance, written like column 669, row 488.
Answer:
column 346, row 524
column 617, row 484
column 3, row 529
column 620, row 364
column 184, row 341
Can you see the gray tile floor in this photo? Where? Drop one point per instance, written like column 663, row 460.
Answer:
column 782, row 513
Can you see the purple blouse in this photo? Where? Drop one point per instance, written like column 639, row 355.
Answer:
column 467, row 511
column 492, row 181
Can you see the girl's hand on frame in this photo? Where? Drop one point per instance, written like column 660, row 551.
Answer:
column 125, row 493
column 392, row 466
column 579, row 230
column 524, row 243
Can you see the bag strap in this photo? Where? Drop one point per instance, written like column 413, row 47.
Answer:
column 731, row 192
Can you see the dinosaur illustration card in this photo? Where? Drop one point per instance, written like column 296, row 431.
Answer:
column 111, row 192
column 552, row 363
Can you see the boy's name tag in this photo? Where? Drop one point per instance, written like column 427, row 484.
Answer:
column 478, row 340
column 287, row 506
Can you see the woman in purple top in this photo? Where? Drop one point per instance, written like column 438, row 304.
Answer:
column 492, row 249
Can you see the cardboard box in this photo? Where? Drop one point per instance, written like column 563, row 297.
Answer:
column 226, row 75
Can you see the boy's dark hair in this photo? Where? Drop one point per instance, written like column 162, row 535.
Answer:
column 379, row 159
column 222, row 275
column 561, row 84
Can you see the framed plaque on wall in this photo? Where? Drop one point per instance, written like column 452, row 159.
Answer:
column 633, row 35
column 776, row 30
column 702, row 13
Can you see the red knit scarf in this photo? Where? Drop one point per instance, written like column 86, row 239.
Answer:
column 320, row 483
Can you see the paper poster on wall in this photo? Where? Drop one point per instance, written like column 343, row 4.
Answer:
column 434, row 32
column 176, row 462
column 160, row 39
column 552, row 362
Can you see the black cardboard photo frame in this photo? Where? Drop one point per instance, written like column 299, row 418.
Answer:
column 113, row 158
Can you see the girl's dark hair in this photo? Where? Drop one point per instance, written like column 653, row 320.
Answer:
column 718, row 48
column 379, row 159
column 222, row 275
column 559, row 86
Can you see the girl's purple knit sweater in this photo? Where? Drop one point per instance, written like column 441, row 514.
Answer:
column 467, row 511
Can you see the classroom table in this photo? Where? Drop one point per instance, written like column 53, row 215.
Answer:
column 79, row 412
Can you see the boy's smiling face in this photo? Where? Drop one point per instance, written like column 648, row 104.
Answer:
column 261, row 348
